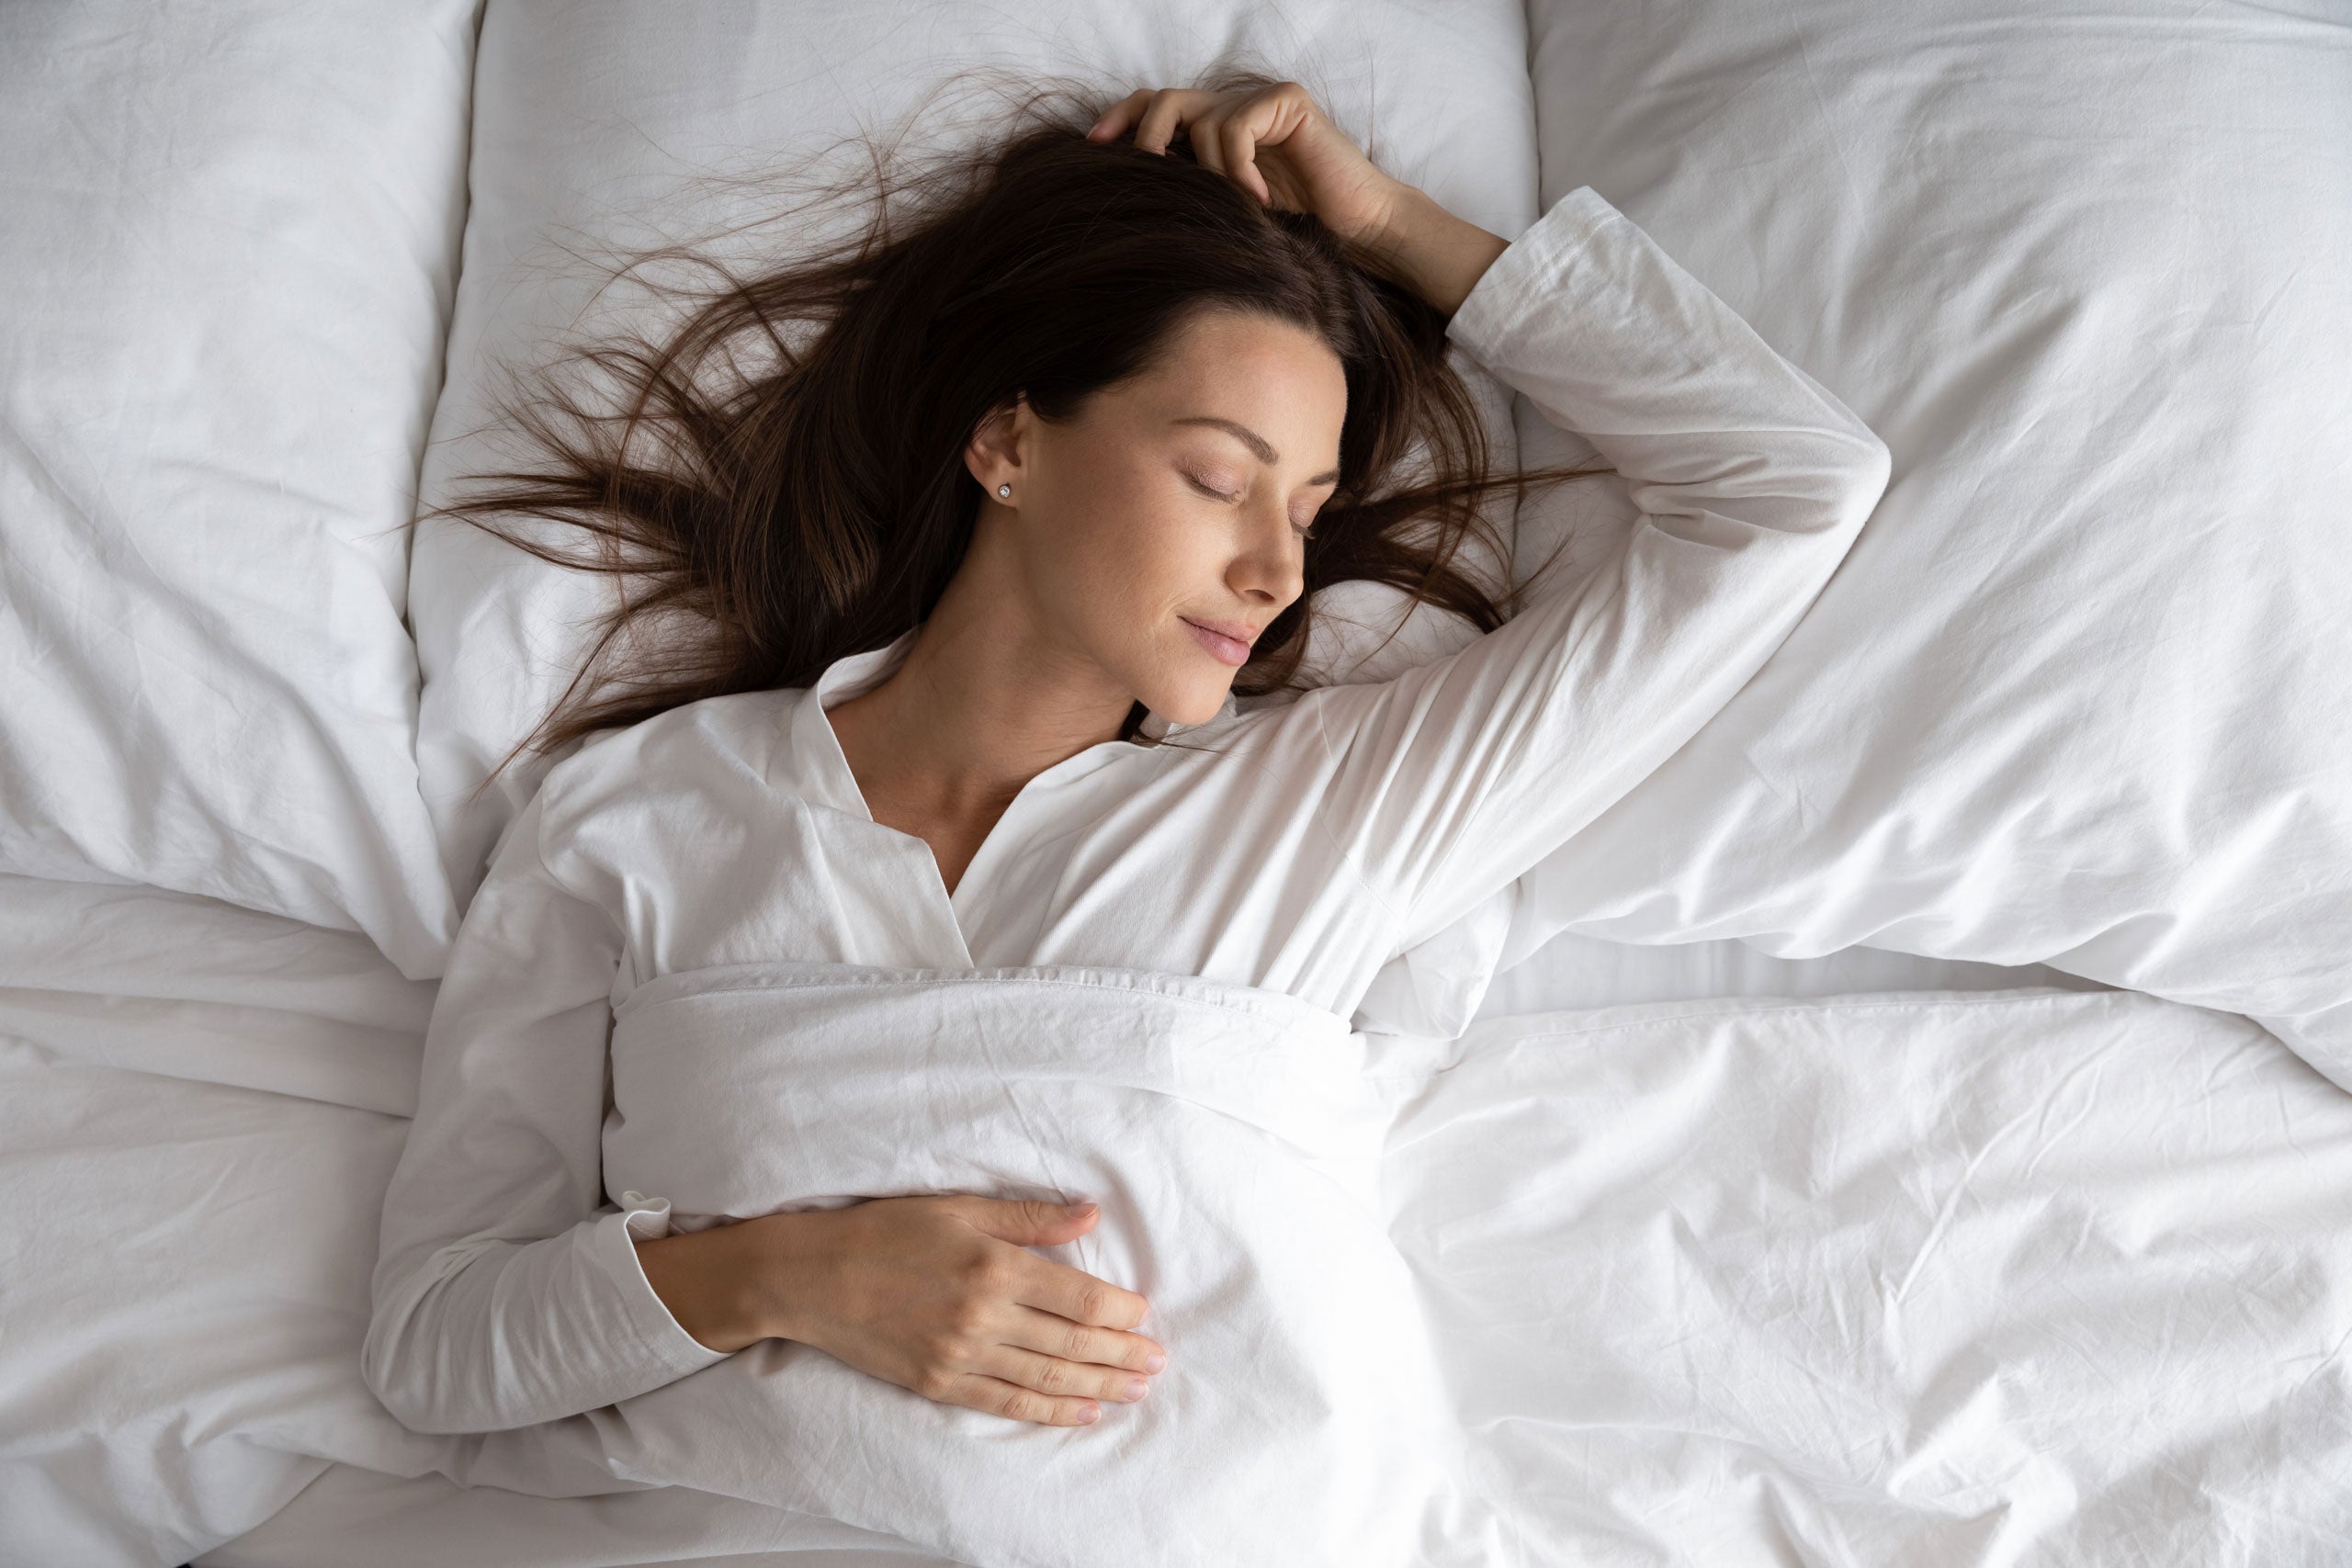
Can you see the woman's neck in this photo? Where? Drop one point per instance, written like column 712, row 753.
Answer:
column 984, row 702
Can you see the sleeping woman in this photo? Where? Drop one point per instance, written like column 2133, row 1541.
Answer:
column 974, row 885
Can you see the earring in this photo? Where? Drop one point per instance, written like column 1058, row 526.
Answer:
column 1005, row 490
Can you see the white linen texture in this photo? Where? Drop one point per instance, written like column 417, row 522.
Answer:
column 1711, row 1274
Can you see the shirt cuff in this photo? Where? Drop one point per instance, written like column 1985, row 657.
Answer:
column 1529, row 276
column 614, row 1246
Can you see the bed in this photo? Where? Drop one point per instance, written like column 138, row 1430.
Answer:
column 1911, row 1126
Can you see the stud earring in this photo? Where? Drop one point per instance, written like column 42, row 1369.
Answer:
column 1005, row 490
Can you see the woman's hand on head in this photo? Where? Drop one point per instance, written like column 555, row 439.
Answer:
column 1275, row 143
column 1278, row 145
column 935, row 1295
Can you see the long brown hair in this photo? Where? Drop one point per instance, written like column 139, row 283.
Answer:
column 777, row 480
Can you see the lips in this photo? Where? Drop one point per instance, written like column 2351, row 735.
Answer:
column 1226, row 641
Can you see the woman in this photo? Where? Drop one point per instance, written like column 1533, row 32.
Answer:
column 1065, row 461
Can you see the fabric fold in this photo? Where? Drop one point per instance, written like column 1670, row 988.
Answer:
column 1231, row 1136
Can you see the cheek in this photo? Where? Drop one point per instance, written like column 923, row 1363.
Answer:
column 1129, row 578
column 1125, row 561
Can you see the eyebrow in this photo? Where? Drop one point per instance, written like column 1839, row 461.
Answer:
column 1250, row 438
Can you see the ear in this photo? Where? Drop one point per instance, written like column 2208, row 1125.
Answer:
column 993, row 455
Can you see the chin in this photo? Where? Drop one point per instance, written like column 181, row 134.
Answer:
column 1187, row 713
column 1190, row 702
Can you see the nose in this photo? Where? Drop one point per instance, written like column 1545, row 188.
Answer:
column 1271, row 567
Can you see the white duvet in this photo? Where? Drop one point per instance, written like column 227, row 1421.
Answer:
column 1932, row 1277
column 1935, row 1277
column 1231, row 1135
column 2028, row 1276
column 1928, row 1280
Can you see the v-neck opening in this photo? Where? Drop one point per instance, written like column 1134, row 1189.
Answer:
column 984, row 855
column 816, row 767
column 953, row 902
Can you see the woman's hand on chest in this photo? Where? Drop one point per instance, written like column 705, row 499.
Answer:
column 939, row 1295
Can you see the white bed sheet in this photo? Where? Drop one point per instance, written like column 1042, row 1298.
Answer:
column 206, row 1102
column 1948, row 1276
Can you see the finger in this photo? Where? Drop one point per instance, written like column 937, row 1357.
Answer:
column 1120, row 116
column 1065, row 1380
column 1208, row 148
column 1029, row 1223
column 1237, row 150
column 1171, row 109
column 976, row 1391
column 1081, row 1298
column 1050, row 1334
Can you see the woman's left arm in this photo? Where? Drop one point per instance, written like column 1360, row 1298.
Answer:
column 1753, row 482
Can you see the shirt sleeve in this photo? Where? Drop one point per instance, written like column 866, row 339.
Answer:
column 506, row 1291
column 1444, row 786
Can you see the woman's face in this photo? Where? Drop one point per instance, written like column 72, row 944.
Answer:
column 1158, row 532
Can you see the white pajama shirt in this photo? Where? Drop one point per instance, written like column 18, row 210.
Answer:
column 1295, row 848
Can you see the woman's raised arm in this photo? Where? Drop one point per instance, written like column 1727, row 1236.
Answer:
column 1277, row 143
column 1753, row 482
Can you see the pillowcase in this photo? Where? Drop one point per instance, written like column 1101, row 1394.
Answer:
column 229, row 259
column 2078, row 694
column 604, row 128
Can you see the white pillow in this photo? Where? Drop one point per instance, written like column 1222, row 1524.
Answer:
column 229, row 254
column 2079, row 694
column 599, row 126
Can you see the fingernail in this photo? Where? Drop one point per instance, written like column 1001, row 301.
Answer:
column 1079, row 1210
column 1154, row 1361
column 1137, row 1390
column 1091, row 1413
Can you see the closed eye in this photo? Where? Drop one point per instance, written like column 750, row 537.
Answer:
column 1304, row 531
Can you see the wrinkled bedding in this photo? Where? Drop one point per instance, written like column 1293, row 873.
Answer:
column 2001, row 1277
column 1731, row 1241
column 204, row 1104
column 1564, row 1290
column 1231, row 1136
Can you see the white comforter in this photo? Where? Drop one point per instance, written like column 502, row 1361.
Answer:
column 1926, row 1278
column 1938, row 1278
column 1232, row 1137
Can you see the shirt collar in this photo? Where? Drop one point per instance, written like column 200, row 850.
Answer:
column 812, row 765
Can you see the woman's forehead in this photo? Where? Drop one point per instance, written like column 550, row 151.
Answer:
column 1275, row 381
